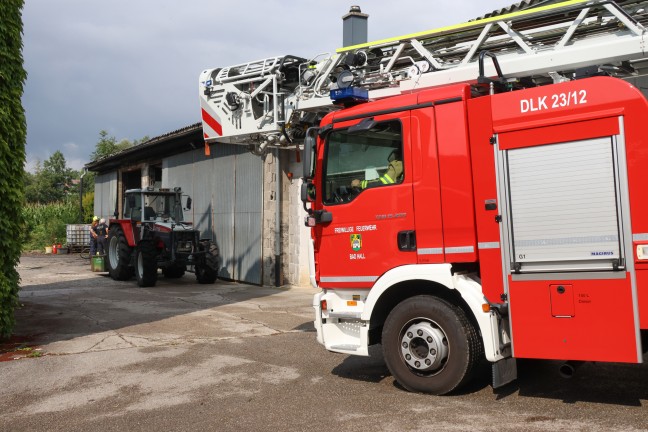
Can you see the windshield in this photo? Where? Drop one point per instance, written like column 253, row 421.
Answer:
column 162, row 206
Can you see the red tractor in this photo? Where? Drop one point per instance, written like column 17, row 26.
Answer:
column 152, row 234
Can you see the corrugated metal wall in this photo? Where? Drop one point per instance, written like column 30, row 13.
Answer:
column 105, row 194
column 227, row 193
column 223, row 177
column 248, row 217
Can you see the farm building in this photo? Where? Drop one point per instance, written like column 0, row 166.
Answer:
column 247, row 203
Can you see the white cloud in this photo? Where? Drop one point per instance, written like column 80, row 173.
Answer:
column 76, row 164
column 71, row 146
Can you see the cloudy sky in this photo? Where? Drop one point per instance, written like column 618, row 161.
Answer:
column 131, row 67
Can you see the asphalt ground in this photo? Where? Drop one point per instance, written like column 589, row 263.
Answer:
column 93, row 354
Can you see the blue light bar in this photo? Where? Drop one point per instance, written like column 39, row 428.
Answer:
column 349, row 95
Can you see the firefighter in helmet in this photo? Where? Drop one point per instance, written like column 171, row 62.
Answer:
column 93, row 235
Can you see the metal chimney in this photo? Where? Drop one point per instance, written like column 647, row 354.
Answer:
column 354, row 27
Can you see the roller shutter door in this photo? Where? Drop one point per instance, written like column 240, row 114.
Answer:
column 564, row 210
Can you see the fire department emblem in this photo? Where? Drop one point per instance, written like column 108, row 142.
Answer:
column 356, row 242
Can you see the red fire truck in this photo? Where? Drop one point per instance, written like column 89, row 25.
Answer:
column 475, row 193
column 451, row 226
column 515, row 229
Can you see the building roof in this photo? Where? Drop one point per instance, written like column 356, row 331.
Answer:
column 528, row 4
column 524, row 4
column 178, row 141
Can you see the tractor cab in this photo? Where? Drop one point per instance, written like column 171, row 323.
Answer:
column 151, row 205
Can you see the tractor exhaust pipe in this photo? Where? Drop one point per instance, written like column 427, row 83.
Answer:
column 568, row 369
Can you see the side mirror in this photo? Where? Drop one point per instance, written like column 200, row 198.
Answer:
column 307, row 192
column 188, row 203
column 310, row 144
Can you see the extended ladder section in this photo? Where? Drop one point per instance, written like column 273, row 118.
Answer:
column 544, row 45
column 272, row 101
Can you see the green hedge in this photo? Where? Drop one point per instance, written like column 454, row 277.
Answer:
column 13, row 132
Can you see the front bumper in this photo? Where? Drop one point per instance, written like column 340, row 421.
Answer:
column 340, row 327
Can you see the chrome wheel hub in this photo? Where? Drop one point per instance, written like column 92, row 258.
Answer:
column 113, row 252
column 424, row 346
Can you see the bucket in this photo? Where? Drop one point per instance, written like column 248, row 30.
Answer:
column 97, row 264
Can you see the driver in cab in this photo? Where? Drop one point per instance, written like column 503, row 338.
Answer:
column 391, row 176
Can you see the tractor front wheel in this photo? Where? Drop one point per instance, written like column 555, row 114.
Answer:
column 146, row 264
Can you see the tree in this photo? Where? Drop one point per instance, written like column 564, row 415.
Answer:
column 59, row 176
column 13, row 132
column 52, row 181
column 108, row 146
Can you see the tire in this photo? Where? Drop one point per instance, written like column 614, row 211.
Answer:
column 212, row 257
column 119, row 255
column 146, row 264
column 205, row 275
column 430, row 346
column 173, row 272
column 207, row 272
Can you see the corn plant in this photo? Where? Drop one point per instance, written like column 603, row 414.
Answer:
column 45, row 224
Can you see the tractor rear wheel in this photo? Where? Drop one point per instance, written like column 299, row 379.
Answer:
column 119, row 255
column 146, row 264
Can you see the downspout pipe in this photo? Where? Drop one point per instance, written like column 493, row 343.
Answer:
column 277, row 248
column 85, row 171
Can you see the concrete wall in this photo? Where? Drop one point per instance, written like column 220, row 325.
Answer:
column 270, row 276
column 297, row 235
column 293, row 235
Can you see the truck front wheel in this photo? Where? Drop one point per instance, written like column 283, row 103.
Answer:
column 430, row 346
column 146, row 264
column 119, row 254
